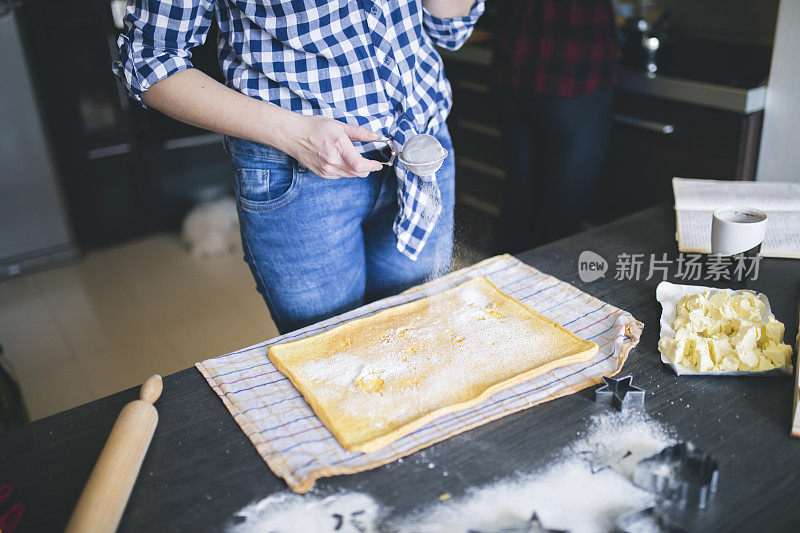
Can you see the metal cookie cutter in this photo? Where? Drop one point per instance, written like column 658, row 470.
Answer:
column 422, row 154
column 620, row 393
column 648, row 519
column 680, row 473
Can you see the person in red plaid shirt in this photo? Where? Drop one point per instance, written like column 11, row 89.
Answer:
column 555, row 63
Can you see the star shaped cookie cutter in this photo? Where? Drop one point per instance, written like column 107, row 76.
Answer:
column 620, row 393
column 532, row 525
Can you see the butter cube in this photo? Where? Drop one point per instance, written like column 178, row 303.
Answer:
column 773, row 331
column 711, row 327
column 703, row 356
column 683, row 334
column 667, row 347
column 729, row 364
column 729, row 311
column 696, row 319
column 747, row 356
column 697, row 302
column 746, row 338
column 721, row 348
column 681, row 322
column 764, row 364
column 779, row 355
column 719, row 299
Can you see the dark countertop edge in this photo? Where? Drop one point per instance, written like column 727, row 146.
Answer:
column 711, row 95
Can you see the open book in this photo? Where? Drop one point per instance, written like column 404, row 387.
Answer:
column 696, row 200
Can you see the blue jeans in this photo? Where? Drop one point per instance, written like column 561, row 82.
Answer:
column 320, row 247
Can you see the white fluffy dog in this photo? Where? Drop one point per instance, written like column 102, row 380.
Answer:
column 211, row 229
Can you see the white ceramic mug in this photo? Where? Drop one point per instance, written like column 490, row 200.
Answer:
column 737, row 229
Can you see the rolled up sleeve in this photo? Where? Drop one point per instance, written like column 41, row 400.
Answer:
column 157, row 39
column 452, row 33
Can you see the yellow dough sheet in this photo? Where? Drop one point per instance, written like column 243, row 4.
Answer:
column 374, row 380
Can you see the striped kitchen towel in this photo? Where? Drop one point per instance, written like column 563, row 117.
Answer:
column 298, row 447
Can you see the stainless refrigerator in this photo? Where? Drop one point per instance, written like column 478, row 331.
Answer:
column 34, row 229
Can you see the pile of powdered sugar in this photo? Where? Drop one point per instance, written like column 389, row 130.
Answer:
column 286, row 512
column 586, row 489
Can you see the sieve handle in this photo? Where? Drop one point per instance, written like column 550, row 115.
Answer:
column 388, row 142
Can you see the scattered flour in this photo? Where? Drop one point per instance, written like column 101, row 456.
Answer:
column 287, row 512
column 644, row 524
column 586, row 489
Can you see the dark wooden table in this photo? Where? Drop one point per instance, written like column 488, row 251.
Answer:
column 201, row 469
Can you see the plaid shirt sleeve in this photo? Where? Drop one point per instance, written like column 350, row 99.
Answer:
column 157, row 40
column 452, row 33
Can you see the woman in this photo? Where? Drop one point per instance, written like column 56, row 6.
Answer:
column 310, row 85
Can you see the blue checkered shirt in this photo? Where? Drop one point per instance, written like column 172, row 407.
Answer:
column 367, row 62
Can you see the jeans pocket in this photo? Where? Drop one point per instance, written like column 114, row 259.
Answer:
column 253, row 184
column 267, row 188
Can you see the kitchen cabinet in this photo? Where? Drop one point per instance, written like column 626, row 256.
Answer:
column 662, row 127
column 655, row 139
column 125, row 171
column 477, row 142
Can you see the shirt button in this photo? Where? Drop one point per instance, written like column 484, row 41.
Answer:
column 375, row 10
column 388, row 61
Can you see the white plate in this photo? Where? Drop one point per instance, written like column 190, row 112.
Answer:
column 669, row 294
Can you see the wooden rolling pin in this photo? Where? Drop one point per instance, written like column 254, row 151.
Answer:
column 109, row 487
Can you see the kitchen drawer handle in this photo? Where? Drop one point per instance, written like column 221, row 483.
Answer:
column 649, row 125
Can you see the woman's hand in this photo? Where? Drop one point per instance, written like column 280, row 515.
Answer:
column 324, row 146
column 320, row 144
